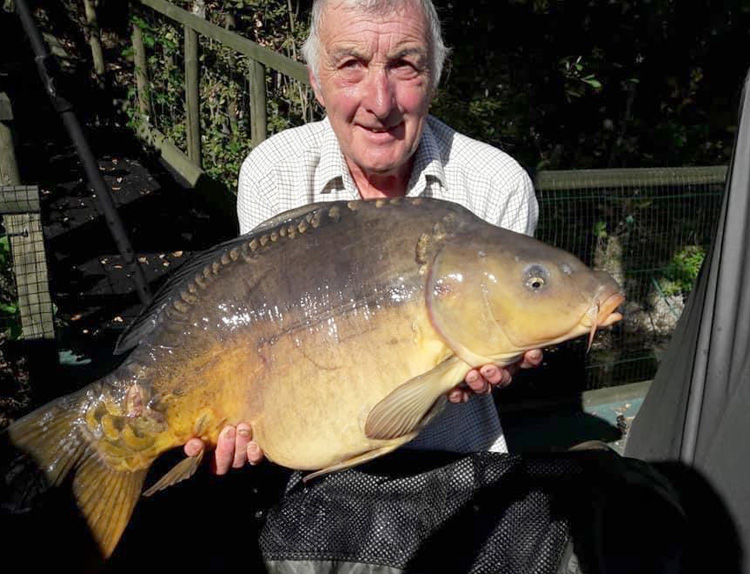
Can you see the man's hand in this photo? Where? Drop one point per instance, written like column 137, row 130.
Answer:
column 234, row 448
column 482, row 380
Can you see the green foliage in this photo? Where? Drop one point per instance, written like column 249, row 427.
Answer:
column 600, row 229
column 559, row 85
column 577, row 85
column 476, row 116
column 224, row 80
column 10, row 319
column 577, row 77
column 682, row 271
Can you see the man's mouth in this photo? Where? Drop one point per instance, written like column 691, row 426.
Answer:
column 379, row 130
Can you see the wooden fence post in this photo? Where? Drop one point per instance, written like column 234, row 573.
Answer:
column 192, row 96
column 92, row 29
column 8, row 167
column 192, row 86
column 232, row 105
column 141, row 73
column 258, row 111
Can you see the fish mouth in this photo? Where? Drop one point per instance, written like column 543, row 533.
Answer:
column 602, row 314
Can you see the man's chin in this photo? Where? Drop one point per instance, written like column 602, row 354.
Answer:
column 386, row 165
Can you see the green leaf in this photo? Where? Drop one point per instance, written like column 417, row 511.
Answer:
column 592, row 81
column 600, row 229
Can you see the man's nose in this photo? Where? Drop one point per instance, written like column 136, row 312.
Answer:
column 379, row 96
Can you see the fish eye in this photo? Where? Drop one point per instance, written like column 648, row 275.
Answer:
column 535, row 277
column 535, row 283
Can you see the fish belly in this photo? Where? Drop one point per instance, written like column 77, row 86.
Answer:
column 314, row 406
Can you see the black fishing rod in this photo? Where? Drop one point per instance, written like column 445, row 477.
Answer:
column 64, row 108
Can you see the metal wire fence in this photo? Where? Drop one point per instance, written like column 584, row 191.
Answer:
column 25, row 303
column 650, row 229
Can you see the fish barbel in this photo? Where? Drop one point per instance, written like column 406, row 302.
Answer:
column 335, row 330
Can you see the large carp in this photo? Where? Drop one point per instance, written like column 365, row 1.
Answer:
column 336, row 331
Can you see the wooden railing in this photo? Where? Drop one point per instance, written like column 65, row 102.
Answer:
column 260, row 58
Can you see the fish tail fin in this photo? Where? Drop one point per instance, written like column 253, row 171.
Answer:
column 52, row 438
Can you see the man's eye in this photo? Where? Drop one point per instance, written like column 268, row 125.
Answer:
column 405, row 69
column 351, row 70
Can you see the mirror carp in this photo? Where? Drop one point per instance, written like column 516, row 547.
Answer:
column 336, row 330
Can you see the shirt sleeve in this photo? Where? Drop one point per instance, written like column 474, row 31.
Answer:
column 254, row 206
column 520, row 211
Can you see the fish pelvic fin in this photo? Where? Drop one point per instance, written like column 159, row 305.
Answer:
column 51, row 436
column 410, row 406
column 181, row 471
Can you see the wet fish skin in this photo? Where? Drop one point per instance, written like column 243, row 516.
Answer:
column 334, row 331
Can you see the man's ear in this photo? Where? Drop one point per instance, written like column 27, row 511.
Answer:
column 315, row 87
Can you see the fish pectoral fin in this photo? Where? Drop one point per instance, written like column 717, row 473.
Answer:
column 362, row 458
column 408, row 407
column 179, row 472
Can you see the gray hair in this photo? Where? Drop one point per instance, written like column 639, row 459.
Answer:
column 311, row 47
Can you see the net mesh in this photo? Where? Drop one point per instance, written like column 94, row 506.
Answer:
column 499, row 507
column 25, row 304
column 482, row 513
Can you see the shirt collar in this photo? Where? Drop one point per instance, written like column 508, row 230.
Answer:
column 427, row 164
column 333, row 173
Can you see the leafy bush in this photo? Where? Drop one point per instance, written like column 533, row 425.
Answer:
column 224, row 87
column 10, row 319
column 682, row 271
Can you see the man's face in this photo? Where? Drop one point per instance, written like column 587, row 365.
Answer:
column 374, row 82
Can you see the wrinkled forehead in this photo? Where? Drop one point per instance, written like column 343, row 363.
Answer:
column 332, row 12
column 372, row 6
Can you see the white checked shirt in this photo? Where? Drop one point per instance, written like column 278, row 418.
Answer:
column 305, row 165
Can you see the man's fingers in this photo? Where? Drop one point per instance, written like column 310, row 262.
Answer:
column 506, row 376
column 476, row 382
column 194, row 447
column 254, row 454
column 455, row 395
column 492, row 374
column 224, row 455
column 532, row 359
column 480, row 381
column 234, row 448
column 244, row 436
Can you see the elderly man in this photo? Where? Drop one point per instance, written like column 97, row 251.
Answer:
column 374, row 66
